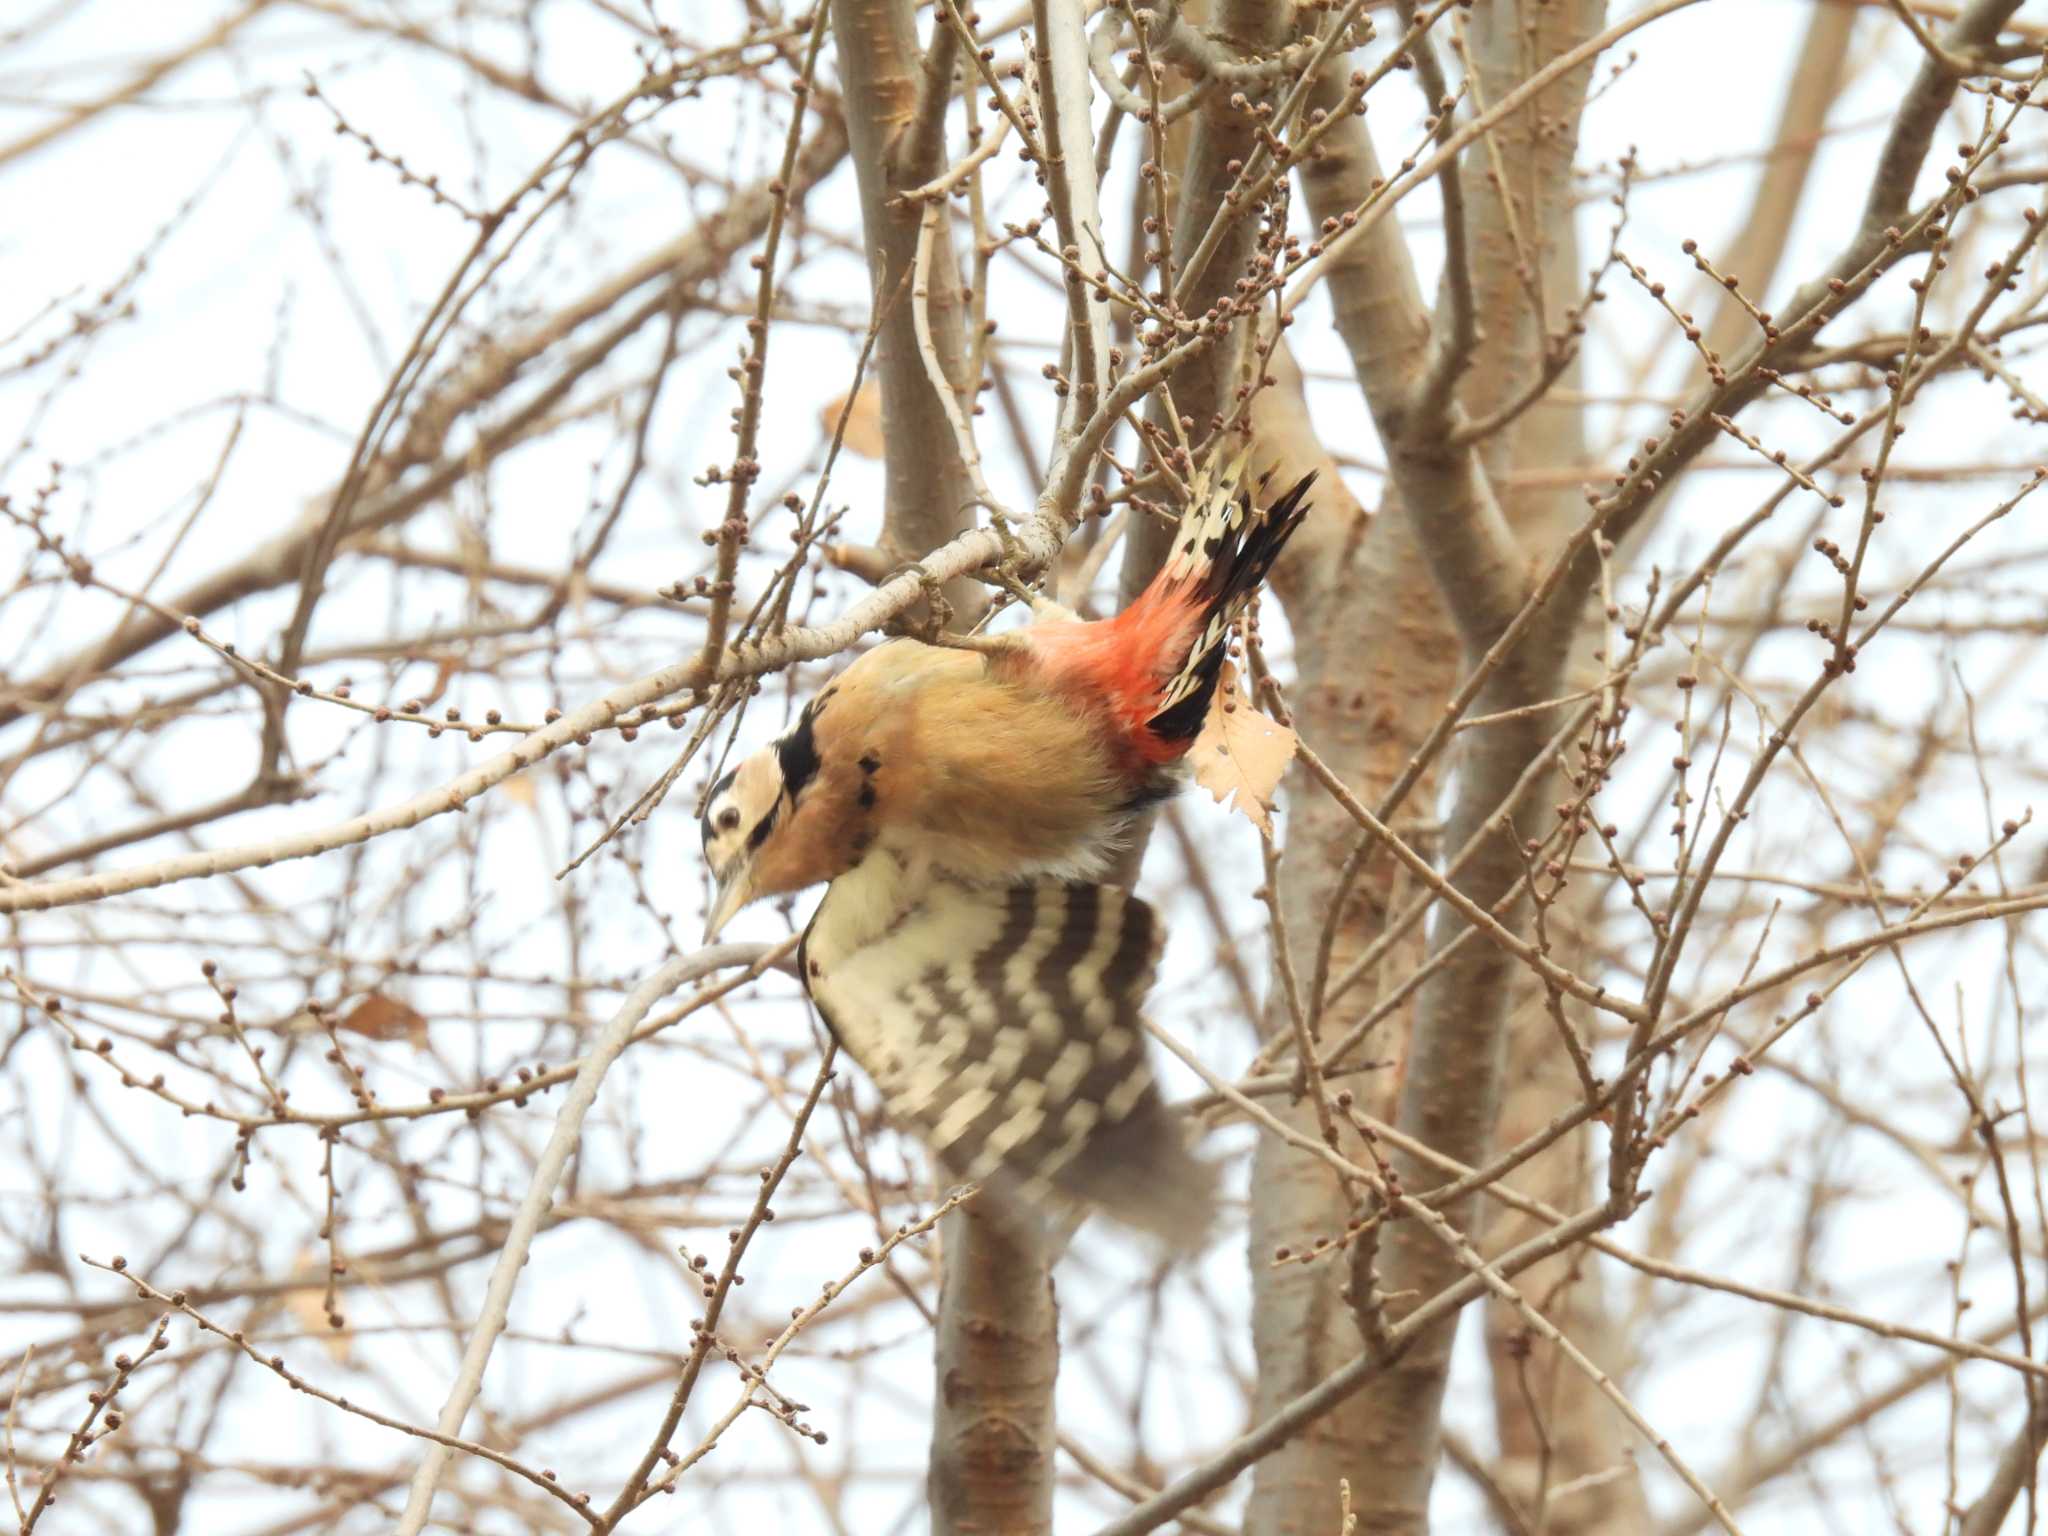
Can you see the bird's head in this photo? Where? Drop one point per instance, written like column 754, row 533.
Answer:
column 766, row 825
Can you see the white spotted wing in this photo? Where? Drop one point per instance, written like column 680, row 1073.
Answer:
column 1001, row 1024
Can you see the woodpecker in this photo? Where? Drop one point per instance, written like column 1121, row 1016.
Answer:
column 963, row 807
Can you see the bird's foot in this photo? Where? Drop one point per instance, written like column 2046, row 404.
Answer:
column 938, row 612
column 1041, row 606
column 1009, row 575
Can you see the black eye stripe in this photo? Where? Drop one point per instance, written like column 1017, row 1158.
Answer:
column 765, row 826
column 798, row 753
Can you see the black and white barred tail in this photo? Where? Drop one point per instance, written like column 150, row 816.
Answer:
column 1225, row 547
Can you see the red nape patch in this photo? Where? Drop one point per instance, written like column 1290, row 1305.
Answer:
column 1120, row 665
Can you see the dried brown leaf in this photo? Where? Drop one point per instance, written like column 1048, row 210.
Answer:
column 308, row 1306
column 444, row 674
column 863, row 421
column 385, row 1018
column 1241, row 752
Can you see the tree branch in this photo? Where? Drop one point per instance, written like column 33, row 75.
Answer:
column 895, row 121
column 1220, row 1469
column 533, row 1209
column 1224, row 134
column 680, row 267
column 1378, row 307
column 994, row 1358
column 1061, row 56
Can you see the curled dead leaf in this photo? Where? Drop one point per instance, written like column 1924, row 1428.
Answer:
column 1241, row 752
column 444, row 674
column 385, row 1018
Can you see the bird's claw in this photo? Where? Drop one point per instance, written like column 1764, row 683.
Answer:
column 938, row 612
column 1008, row 574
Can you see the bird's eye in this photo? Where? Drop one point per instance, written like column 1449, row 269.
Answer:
column 728, row 818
